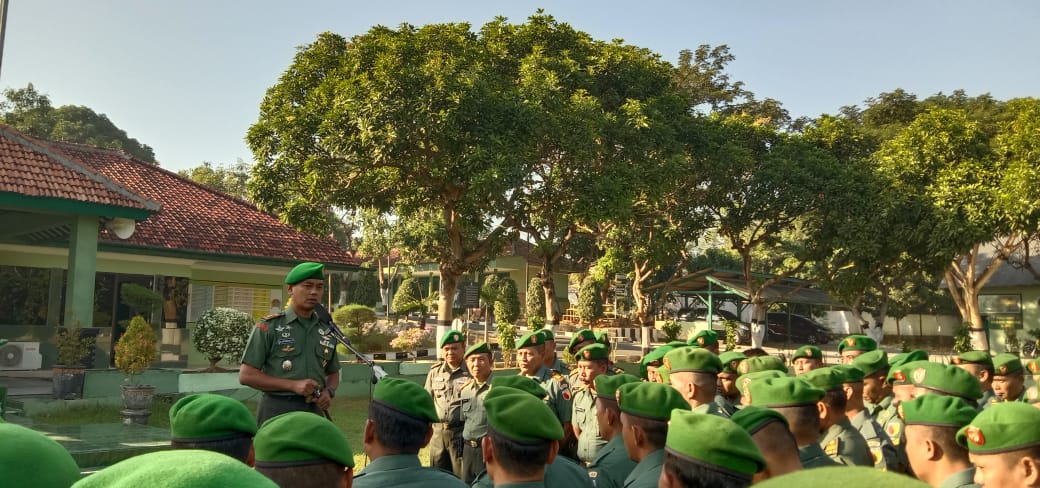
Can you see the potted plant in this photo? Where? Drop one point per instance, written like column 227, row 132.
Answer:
column 220, row 333
column 135, row 351
column 408, row 340
column 70, row 370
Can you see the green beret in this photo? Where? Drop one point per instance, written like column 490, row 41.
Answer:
column 824, row 378
column 654, row 401
column 731, row 360
column 478, row 348
column 207, row 416
column 593, row 352
column 1034, row 366
column 847, row 476
column 781, row 392
column 547, row 334
column 857, row 343
column 531, row 339
column 656, row 355
column 29, row 458
column 758, row 375
column 973, row 357
column 406, row 397
column 294, row 438
column 305, row 271
column 752, row 419
column 579, row 337
column 849, row 373
column 603, row 337
column 692, row 360
column 675, row 344
column 452, row 337
column 942, row 378
column 730, row 449
column 808, row 352
column 607, row 384
column 937, row 410
column 871, row 362
column 1002, row 427
column 665, row 374
column 519, row 382
column 907, row 357
column 180, row 467
column 705, row 338
column 761, row 363
column 521, row 417
column 1006, row 363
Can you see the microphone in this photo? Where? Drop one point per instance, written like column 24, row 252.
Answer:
column 324, row 317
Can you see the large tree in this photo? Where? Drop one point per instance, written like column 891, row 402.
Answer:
column 31, row 112
column 229, row 179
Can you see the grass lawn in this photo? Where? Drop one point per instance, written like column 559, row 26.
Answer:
column 349, row 414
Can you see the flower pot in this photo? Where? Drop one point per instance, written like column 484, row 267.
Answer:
column 68, row 382
column 137, row 403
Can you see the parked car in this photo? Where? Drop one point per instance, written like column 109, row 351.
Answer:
column 804, row 330
column 699, row 318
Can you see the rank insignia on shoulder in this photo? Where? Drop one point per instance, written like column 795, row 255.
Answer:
column 831, row 449
column 273, row 316
column 262, row 326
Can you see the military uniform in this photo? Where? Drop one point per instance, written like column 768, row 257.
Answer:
column 560, row 366
column 646, row 472
column 403, row 471
column 885, row 455
column 583, row 418
column 710, row 409
column 444, row 384
column 558, row 392
column 726, row 409
column 474, row 419
column 288, row 346
column 891, row 424
column 812, row 456
column 612, row 465
column 562, row 473
column 961, row 479
column 846, row 445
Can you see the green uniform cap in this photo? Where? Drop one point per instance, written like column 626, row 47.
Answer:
column 675, row 344
column 296, row 438
column 973, row 357
column 752, row 419
column 305, row 271
column 808, row 352
column 692, row 360
column 650, row 400
column 705, row 338
column 519, row 382
column 731, row 361
column 579, row 337
column 758, row 375
column 665, row 374
column 451, row 337
column 871, row 362
column 531, row 339
column 180, row 467
column 942, row 378
column 603, row 337
column 907, row 357
column 846, row 476
column 593, row 352
column 521, row 417
column 207, row 416
column 656, row 355
column 1006, row 363
column 406, row 397
column 1033, row 366
column 857, row 342
column 849, row 373
column 781, row 392
column 478, row 348
column 937, row 410
column 762, row 363
column 730, row 449
column 1003, row 427
column 824, row 378
column 607, row 384
column 547, row 335
column 29, row 458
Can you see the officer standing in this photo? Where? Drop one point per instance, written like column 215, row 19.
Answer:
column 796, row 400
column 886, row 457
column 1008, row 378
column 728, row 396
column 592, row 362
column 612, row 464
column 474, row 418
column 646, row 409
column 289, row 355
column 580, row 339
column 806, row 358
column 932, row 422
column 550, row 359
column 707, row 339
column 529, row 358
column 979, row 364
column 297, row 449
column 444, row 381
column 713, row 450
column 840, row 441
column 519, row 424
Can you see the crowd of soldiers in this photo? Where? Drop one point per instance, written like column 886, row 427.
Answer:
column 693, row 417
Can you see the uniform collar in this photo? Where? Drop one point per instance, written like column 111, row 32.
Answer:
column 649, row 463
column 960, row 478
column 394, row 461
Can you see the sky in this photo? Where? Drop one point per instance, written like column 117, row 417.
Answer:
column 186, row 77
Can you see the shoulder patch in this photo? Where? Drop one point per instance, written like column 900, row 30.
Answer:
column 262, row 326
column 831, row 449
column 893, row 432
column 273, row 316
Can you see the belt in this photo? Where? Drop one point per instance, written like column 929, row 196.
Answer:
column 474, row 442
column 291, row 398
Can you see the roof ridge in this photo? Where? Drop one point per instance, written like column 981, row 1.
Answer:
column 35, row 145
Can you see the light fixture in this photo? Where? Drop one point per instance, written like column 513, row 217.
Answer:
column 123, row 228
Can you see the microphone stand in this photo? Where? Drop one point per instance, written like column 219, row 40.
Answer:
column 334, row 332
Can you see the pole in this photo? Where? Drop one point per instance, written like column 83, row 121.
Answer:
column 3, row 27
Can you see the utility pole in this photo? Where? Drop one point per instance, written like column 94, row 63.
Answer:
column 3, row 27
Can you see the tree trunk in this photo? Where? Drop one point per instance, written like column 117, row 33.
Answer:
column 758, row 320
column 552, row 309
column 449, row 283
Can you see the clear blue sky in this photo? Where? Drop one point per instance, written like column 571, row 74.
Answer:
column 186, row 77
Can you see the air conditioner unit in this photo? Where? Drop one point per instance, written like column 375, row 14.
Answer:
column 20, row 355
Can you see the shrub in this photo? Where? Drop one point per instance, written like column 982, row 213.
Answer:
column 535, row 300
column 590, row 307
column 140, row 299
column 731, row 334
column 136, row 349
column 507, row 341
column 354, row 315
column 365, row 289
column 410, row 339
column 73, row 348
column 962, row 339
column 222, row 333
column 671, row 330
column 507, row 307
